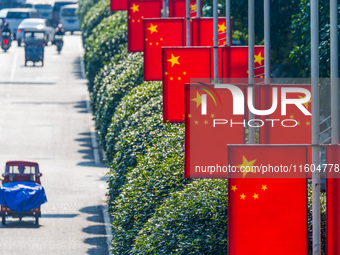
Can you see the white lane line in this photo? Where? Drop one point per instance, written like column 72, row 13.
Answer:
column 108, row 231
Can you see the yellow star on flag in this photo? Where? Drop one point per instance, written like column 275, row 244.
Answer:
column 307, row 103
column 196, row 122
column 212, row 115
column 198, row 99
column 291, row 116
column 243, row 197
column 189, row 115
column 206, row 122
column 247, row 165
column 308, row 123
column 256, row 196
column 153, row 29
column 234, row 188
column 264, row 187
column 173, row 60
column 222, row 28
column 258, row 59
column 135, row 8
column 193, row 7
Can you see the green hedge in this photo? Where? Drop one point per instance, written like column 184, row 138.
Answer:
column 113, row 68
column 192, row 221
column 158, row 173
column 84, row 7
column 94, row 16
column 106, row 41
column 128, row 74
column 132, row 131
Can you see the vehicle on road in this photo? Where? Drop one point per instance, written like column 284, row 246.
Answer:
column 6, row 40
column 14, row 16
column 21, row 193
column 40, row 25
column 44, row 10
column 59, row 42
column 34, row 47
column 68, row 18
column 56, row 10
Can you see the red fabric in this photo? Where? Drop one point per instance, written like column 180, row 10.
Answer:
column 202, row 33
column 137, row 11
column 188, row 63
column 235, row 62
column 301, row 134
column 206, row 145
column 267, row 216
column 333, row 201
column 177, row 8
column 118, row 5
column 157, row 34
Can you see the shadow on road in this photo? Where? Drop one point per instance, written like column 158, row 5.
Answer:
column 81, row 105
column 26, row 222
column 85, row 141
column 97, row 229
column 77, row 68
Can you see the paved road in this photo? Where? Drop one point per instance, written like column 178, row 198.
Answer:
column 44, row 118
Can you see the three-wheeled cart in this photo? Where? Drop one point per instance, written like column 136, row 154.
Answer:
column 34, row 47
column 21, row 175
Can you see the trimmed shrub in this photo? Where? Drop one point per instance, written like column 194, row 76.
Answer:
column 158, row 173
column 84, row 7
column 106, row 40
column 192, row 221
column 94, row 16
column 114, row 88
column 112, row 69
column 133, row 133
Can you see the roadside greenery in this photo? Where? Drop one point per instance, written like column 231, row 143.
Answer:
column 153, row 209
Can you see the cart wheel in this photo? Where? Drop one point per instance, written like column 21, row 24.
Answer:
column 36, row 220
column 33, row 63
column 25, row 63
column 3, row 220
column 42, row 63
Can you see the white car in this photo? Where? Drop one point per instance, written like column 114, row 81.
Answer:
column 68, row 18
column 44, row 10
column 35, row 25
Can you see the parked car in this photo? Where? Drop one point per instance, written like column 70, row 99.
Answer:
column 68, row 18
column 39, row 25
column 44, row 11
column 56, row 10
column 14, row 16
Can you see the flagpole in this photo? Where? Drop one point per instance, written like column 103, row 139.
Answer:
column 198, row 8
column 228, row 23
column 314, row 19
column 187, row 6
column 215, row 23
column 251, row 39
column 334, row 71
column 266, row 41
column 164, row 8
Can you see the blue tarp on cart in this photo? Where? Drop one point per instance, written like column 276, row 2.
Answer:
column 22, row 196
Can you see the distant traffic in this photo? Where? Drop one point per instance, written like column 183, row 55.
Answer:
column 36, row 26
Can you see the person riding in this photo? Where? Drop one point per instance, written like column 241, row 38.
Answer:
column 60, row 30
column 5, row 27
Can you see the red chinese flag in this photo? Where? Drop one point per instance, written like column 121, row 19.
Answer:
column 137, row 11
column 235, row 62
column 208, row 130
column 202, row 32
column 179, row 66
column 118, row 5
column 157, row 34
column 177, row 8
column 333, row 200
column 266, row 216
column 292, row 126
